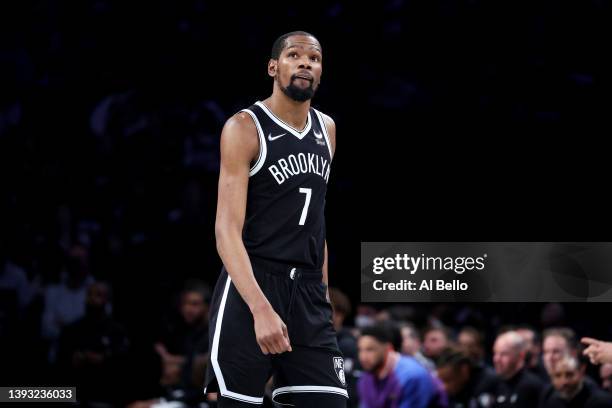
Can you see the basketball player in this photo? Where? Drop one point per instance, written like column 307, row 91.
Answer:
column 270, row 310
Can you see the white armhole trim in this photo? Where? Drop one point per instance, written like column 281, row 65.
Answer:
column 263, row 150
column 324, row 128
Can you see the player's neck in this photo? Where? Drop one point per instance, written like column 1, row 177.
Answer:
column 293, row 113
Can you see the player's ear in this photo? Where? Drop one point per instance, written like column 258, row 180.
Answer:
column 272, row 67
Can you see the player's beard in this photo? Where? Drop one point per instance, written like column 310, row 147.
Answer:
column 296, row 93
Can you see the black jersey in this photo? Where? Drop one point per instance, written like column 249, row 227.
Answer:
column 286, row 193
column 522, row 391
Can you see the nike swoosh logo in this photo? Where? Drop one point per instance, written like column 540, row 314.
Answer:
column 318, row 135
column 271, row 138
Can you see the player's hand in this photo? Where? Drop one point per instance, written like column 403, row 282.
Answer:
column 598, row 351
column 270, row 331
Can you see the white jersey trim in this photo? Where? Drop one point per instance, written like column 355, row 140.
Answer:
column 214, row 355
column 299, row 134
column 309, row 388
column 263, row 149
column 324, row 128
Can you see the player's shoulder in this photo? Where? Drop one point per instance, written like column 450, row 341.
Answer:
column 241, row 128
column 240, row 134
column 241, row 122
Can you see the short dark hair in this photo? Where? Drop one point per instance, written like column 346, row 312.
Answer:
column 453, row 357
column 197, row 286
column 478, row 335
column 385, row 332
column 564, row 332
column 443, row 329
column 340, row 301
column 536, row 335
column 281, row 42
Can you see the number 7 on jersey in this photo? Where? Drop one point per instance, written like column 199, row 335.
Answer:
column 308, row 192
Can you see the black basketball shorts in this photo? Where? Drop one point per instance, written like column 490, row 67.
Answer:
column 237, row 367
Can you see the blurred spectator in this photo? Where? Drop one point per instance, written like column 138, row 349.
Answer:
column 65, row 302
column 341, row 306
column 569, row 388
column 183, row 346
column 517, row 387
column 92, row 351
column 411, row 345
column 556, row 343
column 466, row 384
column 533, row 354
column 435, row 340
column 365, row 316
column 410, row 342
column 471, row 341
column 598, row 351
column 605, row 373
column 346, row 341
column 390, row 379
column 14, row 279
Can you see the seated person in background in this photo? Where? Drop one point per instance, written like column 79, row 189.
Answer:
column 93, row 350
column 65, row 301
column 467, row 385
column 533, row 356
column 183, row 344
column 411, row 345
column 390, row 379
column 605, row 372
column 435, row 340
column 556, row 343
column 517, row 386
column 569, row 388
column 182, row 348
column 347, row 343
column 470, row 340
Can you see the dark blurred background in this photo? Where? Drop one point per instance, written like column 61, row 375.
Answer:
column 457, row 120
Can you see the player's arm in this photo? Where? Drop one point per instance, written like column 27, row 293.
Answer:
column 239, row 146
column 331, row 132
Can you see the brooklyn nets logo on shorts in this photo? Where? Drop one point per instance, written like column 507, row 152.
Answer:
column 339, row 368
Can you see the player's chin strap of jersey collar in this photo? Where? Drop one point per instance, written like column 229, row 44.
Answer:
column 295, row 277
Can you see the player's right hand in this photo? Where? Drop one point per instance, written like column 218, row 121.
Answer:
column 270, row 331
